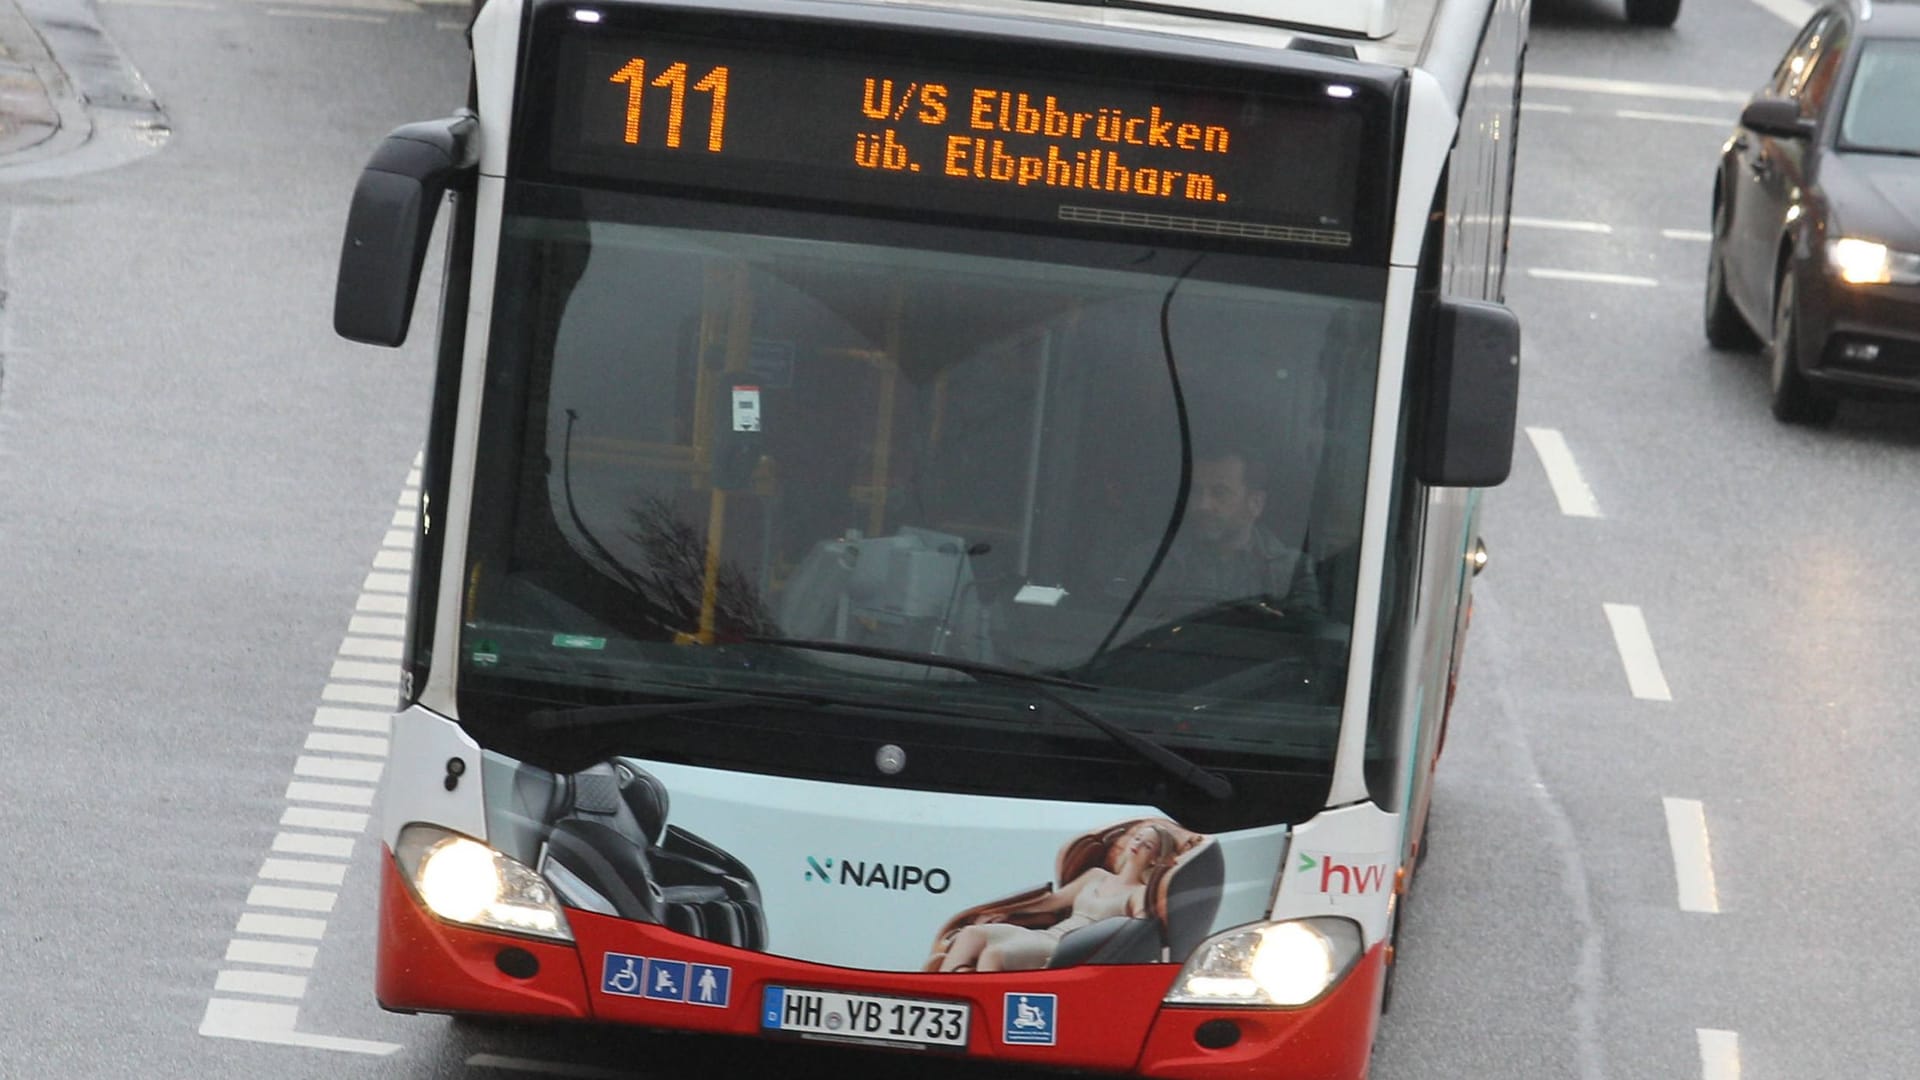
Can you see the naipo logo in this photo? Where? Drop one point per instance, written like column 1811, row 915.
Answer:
column 1346, row 875
column 897, row 877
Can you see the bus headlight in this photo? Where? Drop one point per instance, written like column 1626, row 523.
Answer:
column 464, row 881
column 1283, row 964
column 1865, row 262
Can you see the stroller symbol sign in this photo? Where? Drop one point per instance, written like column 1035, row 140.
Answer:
column 1030, row 1019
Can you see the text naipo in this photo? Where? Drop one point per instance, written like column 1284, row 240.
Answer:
column 877, row 875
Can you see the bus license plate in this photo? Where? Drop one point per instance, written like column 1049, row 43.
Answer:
column 864, row 1017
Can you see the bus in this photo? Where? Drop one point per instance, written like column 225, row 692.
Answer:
column 947, row 526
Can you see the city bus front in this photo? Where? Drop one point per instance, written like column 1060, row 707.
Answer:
column 894, row 543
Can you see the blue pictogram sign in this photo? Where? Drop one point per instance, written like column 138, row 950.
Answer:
column 1030, row 1019
column 623, row 974
column 707, row 984
column 667, row 980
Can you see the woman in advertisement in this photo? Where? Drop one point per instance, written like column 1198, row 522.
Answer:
column 1120, row 871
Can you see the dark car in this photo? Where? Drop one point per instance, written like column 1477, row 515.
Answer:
column 1816, row 214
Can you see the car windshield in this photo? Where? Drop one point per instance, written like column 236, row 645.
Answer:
column 704, row 447
column 1881, row 114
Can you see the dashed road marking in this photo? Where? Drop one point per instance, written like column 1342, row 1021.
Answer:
column 271, row 953
column 332, row 16
column 1630, row 636
column 1591, row 277
column 1721, row 122
column 1699, row 236
column 1692, row 855
column 1569, row 487
column 1719, row 1054
column 337, row 768
column 1624, row 88
column 1562, row 226
column 1792, row 12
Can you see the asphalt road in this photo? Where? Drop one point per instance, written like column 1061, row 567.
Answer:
column 196, row 478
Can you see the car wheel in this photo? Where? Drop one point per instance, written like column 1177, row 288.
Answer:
column 1726, row 329
column 1652, row 12
column 1795, row 400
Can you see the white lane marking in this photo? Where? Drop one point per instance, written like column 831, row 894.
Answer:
column 352, row 719
column 361, row 695
column 309, row 817
column 313, row 858
column 1692, row 855
column 389, row 559
column 262, row 1022
column 376, row 648
column 271, row 953
column 264, row 983
column 333, row 16
column 1630, row 635
column 1541, row 106
column 1719, row 1054
column 387, row 583
column 337, row 794
column 1569, row 487
column 545, row 1068
column 332, row 742
column 1721, row 122
column 1700, row 236
column 327, row 847
column 365, row 671
column 406, row 519
column 283, row 896
column 184, row 5
column 303, row 871
column 331, row 768
column 1623, row 88
column 292, row 926
column 382, row 604
column 375, row 626
column 1792, row 12
column 1592, row 277
column 1563, row 226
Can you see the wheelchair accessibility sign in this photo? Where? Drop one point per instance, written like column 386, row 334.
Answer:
column 1030, row 1019
column 625, row 975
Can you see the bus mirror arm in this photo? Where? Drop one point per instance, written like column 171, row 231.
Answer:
column 391, row 222
column 1471, row 395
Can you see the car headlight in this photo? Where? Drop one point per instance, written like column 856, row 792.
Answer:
column 1282, row 964
column 1869, row 262
column 464, row 881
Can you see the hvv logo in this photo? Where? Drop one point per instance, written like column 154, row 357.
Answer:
column 1351, row 878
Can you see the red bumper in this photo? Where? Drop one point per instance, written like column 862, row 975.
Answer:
column 1108, row 1018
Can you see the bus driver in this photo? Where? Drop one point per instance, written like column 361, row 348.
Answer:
column 1223, row 552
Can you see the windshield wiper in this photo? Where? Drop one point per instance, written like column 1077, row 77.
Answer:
column 597, row 716
column 1169, row 762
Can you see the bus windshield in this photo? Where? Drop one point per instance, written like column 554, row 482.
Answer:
column 713, row 433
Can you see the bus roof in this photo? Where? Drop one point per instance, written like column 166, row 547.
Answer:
column 1378, row 31
column 1395, row 33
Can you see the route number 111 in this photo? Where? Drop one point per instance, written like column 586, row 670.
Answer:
column 674, row 81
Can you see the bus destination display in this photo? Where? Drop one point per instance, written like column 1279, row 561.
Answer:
column 907, row 133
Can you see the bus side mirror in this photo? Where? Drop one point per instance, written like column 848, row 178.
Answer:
column 391, row 222
column 1472, row 396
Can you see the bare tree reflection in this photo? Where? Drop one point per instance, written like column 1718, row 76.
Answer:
column 672, row 576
